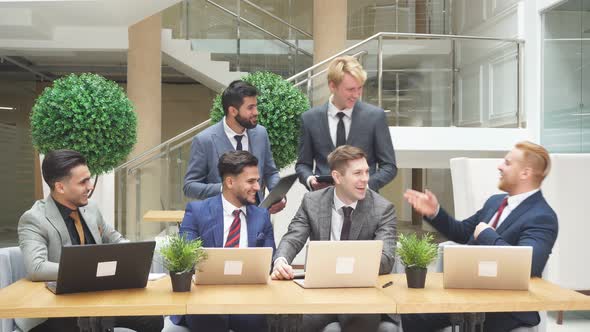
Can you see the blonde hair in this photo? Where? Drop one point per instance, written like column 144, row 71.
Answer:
column 346, row 64
column 338, row 159
column 536, row 157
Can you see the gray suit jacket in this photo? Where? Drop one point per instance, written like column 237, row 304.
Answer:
column 42, row 233
column 202, row 177
column 368, row 131
column 373, row 219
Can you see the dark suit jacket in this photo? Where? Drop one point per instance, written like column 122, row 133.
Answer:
column 202, row 177
column 368, row 131
column 373, row 219
column 533, row 223
column 204, row 219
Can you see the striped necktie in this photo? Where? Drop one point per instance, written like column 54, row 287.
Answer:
column 233, row 238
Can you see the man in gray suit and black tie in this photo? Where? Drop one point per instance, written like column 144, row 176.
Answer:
column 66, row 217
column 345, row 120
column 347, row 211
column 238, row 130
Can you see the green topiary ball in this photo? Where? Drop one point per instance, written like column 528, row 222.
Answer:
column 280, row 105
column 89, row 114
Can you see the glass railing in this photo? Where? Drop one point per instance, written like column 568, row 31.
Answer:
column 420, row 80
column 428, row 80
column 244, row 33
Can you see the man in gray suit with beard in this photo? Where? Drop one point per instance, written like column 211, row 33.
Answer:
column 346, row 211
column 66, row 218
column 345, row 120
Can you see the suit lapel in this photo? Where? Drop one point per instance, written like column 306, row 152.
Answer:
column 251, row 136
column 92, row 225
column 325, row 127
column 54, row 217
column 251, row 220
column 520, row 209
column 217, row 217
column 354, row 122
column 359, row 217
column 325, row 207
column 220, row 140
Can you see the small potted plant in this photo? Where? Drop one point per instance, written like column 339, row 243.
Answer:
column 180, row 257
column 416, row 254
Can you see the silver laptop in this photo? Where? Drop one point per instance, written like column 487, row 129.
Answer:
column 235, row 266
column 487, row 267
column 337, row 264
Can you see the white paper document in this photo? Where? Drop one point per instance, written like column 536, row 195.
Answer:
column 488, row 269
column 106, row 269
column 344, row 265
column 233, row 268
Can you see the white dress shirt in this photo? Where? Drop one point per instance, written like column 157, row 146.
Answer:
column 513, row 203
column 333, row 119
column 230, row 133
column 338, row 217
column 228, row 219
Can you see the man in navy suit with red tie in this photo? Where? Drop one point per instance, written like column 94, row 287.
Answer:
column 229, row 219
column 521, row 217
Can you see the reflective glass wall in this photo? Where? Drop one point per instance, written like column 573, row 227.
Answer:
column 566, row 78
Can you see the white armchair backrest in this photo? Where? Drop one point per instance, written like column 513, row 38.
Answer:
column 474, row 181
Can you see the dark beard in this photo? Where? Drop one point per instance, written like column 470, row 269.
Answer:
column 245, row 123
column 245, row 201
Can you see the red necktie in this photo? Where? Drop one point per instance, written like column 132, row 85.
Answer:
column 233, row 238
column 500, row 209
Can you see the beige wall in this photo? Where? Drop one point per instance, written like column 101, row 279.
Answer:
column 183, row 107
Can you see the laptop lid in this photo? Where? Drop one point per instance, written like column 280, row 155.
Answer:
column 337, row 264
column 279, row 191
column 487, row 267
column 235, row 266
column 96, row 267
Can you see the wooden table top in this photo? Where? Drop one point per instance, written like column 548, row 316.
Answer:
column 164, row 216
column 286, row 297
column 542, row 295
column 31, row 299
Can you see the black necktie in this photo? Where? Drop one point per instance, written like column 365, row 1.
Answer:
column 347, row 211
column 239, row 140
column 340, row 131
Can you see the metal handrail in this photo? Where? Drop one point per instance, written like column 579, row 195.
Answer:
column 277, row 18
column 159, row 146
column 284, row 41
column 309, row 72
column 399, row 34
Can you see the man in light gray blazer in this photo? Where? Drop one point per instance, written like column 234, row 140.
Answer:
column 238, row 130
column 347, row 211
column 66, row 218
column 345, row 120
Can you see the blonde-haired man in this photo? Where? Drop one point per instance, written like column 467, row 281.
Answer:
column 344, row 119
column 520, row 218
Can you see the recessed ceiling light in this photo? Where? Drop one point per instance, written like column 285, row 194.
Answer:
column 7, row 108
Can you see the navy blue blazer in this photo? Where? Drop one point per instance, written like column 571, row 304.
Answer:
column 202, row 178
column 204, row 219
column 533, row 223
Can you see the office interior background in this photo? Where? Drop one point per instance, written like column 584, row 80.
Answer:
column 445, row 97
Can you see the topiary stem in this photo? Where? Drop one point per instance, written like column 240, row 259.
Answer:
column 93, row 187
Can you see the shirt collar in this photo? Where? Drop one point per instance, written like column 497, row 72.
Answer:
column 333, row 110
column 515, row 200
column 230, row 132
column 229, row 208
column 64, row 211
column 338, row 204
